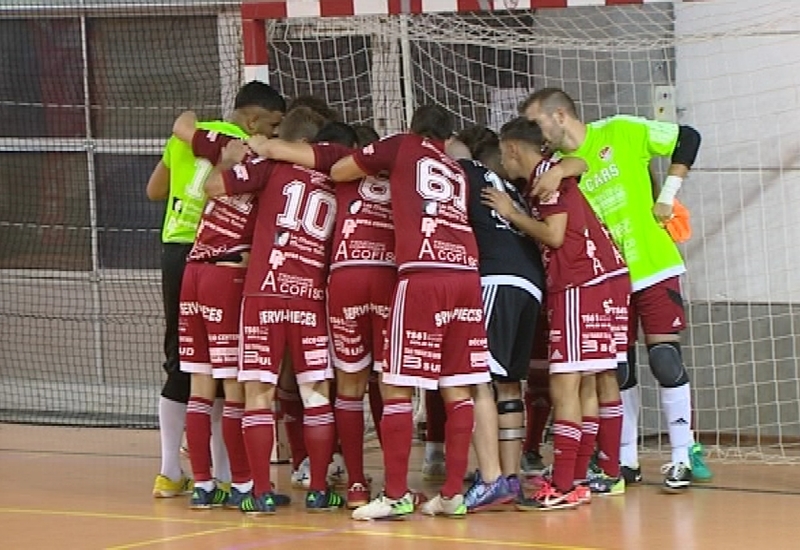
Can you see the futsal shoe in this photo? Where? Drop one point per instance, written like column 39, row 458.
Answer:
column 677, row 477
column 549, row 498
column 384, row 507
column 164, row 487
column 631, row 474
column 531, row 464
column 483, row 496
column 603, row 485
column 453, row 507
column 323, row 501
column 263, row 505
column 700, row 471
column 205, row 500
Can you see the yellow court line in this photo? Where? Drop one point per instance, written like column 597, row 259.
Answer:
column 247, row 523
column 162, row 540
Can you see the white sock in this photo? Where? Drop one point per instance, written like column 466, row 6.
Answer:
column 245, row 487
column 677, row 406
column 171, row 423
column 219, row 453
column 629, row 451
column 434, row 451
column 207, row 486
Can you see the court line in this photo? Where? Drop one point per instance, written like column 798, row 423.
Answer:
column 231, row 525
column 174, row 538
column 707, row 487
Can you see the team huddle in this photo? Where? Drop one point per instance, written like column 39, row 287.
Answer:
column 327, row 264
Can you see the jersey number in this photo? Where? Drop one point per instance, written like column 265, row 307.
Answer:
column 319, row 199
column 374, row 190
column 438, row 182
column 202, row 168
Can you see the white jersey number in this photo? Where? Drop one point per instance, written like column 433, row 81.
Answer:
column 318, row 215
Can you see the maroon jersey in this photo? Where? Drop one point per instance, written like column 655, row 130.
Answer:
column 587, row 255
column 227, row 225
column 291, row 245
column 429, row 206
column 364, row 232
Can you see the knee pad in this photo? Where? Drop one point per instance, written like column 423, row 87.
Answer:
column 666, row 364
column 311, row 397
column 626, row 372
column 511, row 407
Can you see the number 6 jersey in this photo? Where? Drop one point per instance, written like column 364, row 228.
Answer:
column 429, row 202
column 291, row 242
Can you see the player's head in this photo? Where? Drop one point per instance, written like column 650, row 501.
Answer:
column 471, row 136
column 552, row 109
column 337, row 132
column 457, row 149
column 259, row 108
column 521, row 143
column 318, row 105
column 366, row 134
column 300, row 124
column 432, row 121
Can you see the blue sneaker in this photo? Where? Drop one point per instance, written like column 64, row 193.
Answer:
column 515, row 486
column 323, row 501
column 258, row 506
column 485, row 496
column 204, row 500
column 700, row 471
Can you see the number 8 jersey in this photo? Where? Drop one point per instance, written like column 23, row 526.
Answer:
column 429, row 202
column 291, row 242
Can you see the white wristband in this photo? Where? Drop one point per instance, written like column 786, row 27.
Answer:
column 670, row 188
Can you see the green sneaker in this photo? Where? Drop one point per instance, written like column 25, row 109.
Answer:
column 604, row 485
column 258, row 506
column 700, row 471
column 449, row 507
column 384, row 507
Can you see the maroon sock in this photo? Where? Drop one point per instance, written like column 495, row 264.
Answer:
column 566, row 440
column 435, row 416
column 397, row 426
column 198, row 437
column 320, row 434
column 376, row 405
column 458, row 436
column 609, row 436
column 589, row 427
column 259, row 437
column 350, row 427
column 234, row 441
column 292, row 412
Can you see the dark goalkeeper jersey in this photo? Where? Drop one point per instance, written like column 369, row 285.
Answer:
column 506, row 255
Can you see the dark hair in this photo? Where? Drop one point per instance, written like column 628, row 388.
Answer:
column 550, row 99
column 301, row 123
column 259, row 94
column 366, row 134
column 524, row 130
column 337, row 132
column 318, row 105
column 473, row 136
column 432, row 121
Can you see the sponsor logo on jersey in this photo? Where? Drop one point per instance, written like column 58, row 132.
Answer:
column 606, row 153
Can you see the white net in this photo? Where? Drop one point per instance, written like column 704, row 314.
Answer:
column 724, row 67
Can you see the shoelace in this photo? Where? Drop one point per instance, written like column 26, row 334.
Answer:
column 679, row 468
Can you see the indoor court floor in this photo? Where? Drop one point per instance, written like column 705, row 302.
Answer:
column 71, row 488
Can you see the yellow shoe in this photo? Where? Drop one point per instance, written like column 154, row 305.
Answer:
column 164, row 487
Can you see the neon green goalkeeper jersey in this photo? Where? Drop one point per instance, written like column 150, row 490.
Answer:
column 617, row 151
column 187, row 175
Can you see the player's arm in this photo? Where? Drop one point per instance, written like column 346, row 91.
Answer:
column 184, row 126
column 550, row 231
column 231, row 156
column 372, row 160
column 287, row 151
column 158, row 184
column 547, row 183
column 683, row 156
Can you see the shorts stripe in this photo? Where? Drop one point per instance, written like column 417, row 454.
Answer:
column 489, row 295
column 398, row 309
column 573, row 324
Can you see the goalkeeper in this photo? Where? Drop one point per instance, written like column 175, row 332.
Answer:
column 612, row 157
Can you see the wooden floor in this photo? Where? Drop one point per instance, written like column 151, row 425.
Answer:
column 72, row 488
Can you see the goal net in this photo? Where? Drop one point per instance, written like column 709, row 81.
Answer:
column 90, row 94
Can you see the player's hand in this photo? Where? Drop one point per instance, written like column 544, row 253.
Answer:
column 259, row 145
column 662, row 213
column 545, row 185
column 498, row 201
column 233, row 153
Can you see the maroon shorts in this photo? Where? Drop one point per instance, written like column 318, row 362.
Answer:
column 358, row 310
column 618, row 306
column 659, row 308
column 580, row 330
column 270, row 326
column 208, row 322
column 540, row 338
column 436, row 336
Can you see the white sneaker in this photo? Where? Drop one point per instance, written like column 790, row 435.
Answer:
column 337, row 472
column 450, row 507
column 301, row 477
column 384, row 507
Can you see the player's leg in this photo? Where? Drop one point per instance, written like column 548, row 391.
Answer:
column 291, row 414
column 630, row 395
column 175, row 393
column 537, row 401
column 376, row 401
column 590, row 424
column 262, row 350
column 309, row 345
column 464, row 366
column 433, row 463
column 661, row 310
